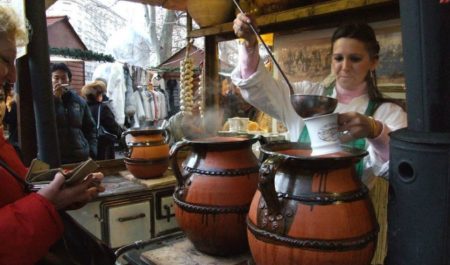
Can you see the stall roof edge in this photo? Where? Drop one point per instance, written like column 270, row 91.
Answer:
column 180, row 5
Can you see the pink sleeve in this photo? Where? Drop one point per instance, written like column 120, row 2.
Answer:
column 381, row 143
column 248, row 60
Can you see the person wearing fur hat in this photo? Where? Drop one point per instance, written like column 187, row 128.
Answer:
column 103, row 116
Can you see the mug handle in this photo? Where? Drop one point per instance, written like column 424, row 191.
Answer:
column 267, row 182
column 173, row 160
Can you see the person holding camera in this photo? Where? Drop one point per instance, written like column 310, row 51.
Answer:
column 77, row 133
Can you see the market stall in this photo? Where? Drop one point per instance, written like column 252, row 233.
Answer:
column 411, row 222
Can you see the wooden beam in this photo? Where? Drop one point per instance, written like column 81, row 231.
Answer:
column 300, row 13
column 180, row 5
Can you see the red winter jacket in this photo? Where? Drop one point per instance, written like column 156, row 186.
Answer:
column 29, row 224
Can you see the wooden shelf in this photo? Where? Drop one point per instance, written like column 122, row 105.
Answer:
column 297, row 14
column 323, row 14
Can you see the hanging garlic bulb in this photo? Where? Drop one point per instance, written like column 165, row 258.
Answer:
column 201, row 88
column 186, row 84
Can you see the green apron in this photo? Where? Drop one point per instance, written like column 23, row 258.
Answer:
column 358, row 143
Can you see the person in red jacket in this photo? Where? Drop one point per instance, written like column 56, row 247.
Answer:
column 29, row 222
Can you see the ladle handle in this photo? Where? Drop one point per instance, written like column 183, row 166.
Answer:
column 291, row 90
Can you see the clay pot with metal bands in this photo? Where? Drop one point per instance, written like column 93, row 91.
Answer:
column 148, row 143
column 215, row 186
column 147, row 168
column 311, row 210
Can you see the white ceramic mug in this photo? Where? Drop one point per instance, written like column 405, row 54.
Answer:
column 323, row 132
column 238, row 124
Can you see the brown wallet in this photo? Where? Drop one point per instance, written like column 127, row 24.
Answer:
column 40, row 172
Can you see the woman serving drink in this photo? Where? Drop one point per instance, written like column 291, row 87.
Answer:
column 364, row 114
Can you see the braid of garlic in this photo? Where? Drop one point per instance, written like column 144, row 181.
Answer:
column 186, row 84
column 201, row 88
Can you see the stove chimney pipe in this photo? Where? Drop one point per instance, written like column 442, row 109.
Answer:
column 419, row 194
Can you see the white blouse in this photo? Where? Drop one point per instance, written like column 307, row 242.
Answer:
column 272, row 97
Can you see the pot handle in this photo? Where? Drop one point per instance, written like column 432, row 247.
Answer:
column 129, row 151
column 167, row 135
column 125, row 133
column 262, row 141
column 129, row 148
column 266, row 183
column 173, row 160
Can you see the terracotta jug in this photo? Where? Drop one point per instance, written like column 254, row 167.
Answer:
column 215, row 187
column 311, row 210
column 147, row 143
column 148, row 152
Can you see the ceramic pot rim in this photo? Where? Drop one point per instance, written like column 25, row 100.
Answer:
column 144, row 131
column 141, row 161
column 239, row 140
column 274, row 148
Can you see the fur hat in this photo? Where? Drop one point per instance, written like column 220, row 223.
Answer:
column 93, row 89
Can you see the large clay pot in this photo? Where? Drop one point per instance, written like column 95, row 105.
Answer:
column 147, row 143
column 148, row 152
column 211, row 12
column 147, row 168
column 311, row 210
column 215, row 187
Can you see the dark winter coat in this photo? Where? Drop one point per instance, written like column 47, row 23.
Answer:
column 107, row 120
column 76, row 128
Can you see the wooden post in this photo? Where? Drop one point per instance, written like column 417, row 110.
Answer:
column 212, row 91
column 26, row 123
column 39, row 63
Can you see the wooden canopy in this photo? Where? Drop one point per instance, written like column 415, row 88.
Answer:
column 169, row 4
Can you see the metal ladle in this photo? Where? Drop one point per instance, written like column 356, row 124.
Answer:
column 305, row 105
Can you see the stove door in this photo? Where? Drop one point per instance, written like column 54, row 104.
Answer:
column 127, row 221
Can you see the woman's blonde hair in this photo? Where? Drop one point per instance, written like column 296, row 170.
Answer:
column 92, row 90
column 12, row 27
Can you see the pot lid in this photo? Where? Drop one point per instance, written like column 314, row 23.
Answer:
column 303, row 151
column 144, row 131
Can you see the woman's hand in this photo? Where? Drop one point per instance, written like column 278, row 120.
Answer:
column 73, row 197
column 354, row 125
column 242, row 29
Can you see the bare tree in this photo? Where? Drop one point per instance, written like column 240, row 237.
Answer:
column 162, row 46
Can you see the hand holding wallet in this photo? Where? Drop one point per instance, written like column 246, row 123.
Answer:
column 40, row 173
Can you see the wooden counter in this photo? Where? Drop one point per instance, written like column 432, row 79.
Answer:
column 177, row 249
column 167, row 180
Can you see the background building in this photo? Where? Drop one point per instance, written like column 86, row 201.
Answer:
column 93, row 21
